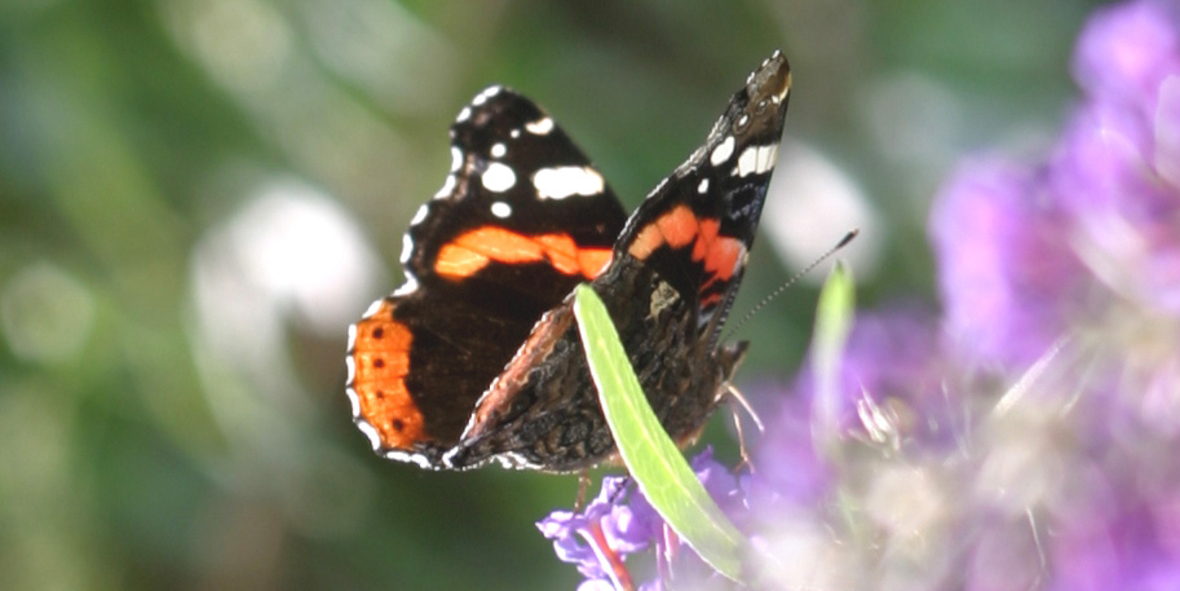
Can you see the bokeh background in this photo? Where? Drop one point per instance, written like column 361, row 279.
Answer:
column 198, row 196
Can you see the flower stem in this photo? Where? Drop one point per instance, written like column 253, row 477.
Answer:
column 618, row 571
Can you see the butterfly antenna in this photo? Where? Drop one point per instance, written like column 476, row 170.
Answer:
column 796, row 277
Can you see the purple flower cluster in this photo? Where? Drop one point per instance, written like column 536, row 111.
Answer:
column 1029, row 438
column 620, row 521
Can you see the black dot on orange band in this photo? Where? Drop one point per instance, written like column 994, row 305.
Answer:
column 380, row 394
column 398, row 424
column 378, row 332
column 378, row 363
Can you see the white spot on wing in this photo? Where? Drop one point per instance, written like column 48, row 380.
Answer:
column 420, row 215
column 488, row 93
column 372, row 309
column 659, row 186
column 407, row 248
column 499, row 150
column 353, row 401
column 540, row 127
column 756, row 160
column 722, row 152
column 515, row 133
column 409, row 287
column 464, row 115
column 745, row 163
column 447, row 188
column 769, row 155
column 498, row 178
column 456, row 159
column 513, row 461
column 703, row 187
column 413, row 458
column 560, row 182
column 501, row 209
column 371, row 432
column 351, row 346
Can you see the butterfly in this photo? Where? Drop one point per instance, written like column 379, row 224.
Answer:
column 477, row 357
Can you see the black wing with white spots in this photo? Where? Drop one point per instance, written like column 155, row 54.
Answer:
column 513, row 167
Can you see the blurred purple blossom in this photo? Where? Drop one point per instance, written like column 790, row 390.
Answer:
column 1004, row 269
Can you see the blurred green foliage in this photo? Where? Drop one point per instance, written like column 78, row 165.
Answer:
column 170, row 417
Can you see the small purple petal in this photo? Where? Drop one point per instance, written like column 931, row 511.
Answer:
column 644, row 519
column 625, row 533
column 1123, row 214
column 790, row 472
column 1101, row 160
column 1159, row 407
column 1126, row 51
column 719, row 481
column 558, row 524
column 1164, row 576
column 1167, row 132
column 566, row 530
column 1003, row 556
column 596, row 585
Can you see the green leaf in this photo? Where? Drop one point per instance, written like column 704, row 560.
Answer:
column 653, row 459
column 833, row 316
column 833, row 321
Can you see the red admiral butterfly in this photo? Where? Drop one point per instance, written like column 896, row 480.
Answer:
column 476, row 357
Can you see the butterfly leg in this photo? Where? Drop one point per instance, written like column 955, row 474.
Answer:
column 736, row 400
column 583, row 485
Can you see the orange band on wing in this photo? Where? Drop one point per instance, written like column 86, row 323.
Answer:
column 562, row 252
column 675, row 228
column 381, row 356
column 593, row 260
column 474, row 250
column 680, row 227
column 723, row 257
column 709, row 229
